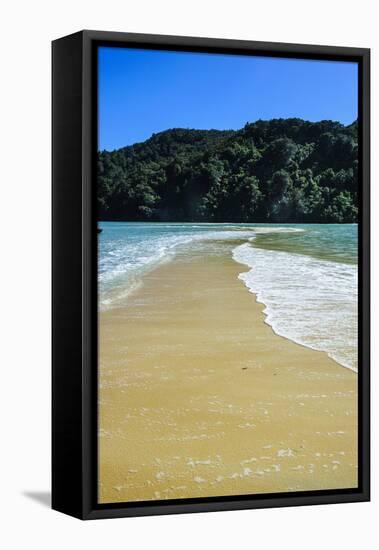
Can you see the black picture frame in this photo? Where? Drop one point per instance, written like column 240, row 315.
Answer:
column 74, row 295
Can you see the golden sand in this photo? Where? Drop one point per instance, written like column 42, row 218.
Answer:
column 199, row 397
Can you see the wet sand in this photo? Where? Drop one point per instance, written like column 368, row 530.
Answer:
column 199, row 397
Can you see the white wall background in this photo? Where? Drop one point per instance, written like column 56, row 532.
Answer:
column 26, row 31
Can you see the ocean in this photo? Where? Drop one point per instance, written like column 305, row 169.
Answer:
column 306, row 276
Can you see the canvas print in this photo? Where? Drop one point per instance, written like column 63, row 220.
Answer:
column 227, row 210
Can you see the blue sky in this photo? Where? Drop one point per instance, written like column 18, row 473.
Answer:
column 142, row 92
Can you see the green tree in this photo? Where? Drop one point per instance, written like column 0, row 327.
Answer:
column 274, row 170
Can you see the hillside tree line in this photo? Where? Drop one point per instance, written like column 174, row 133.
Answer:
column 281, row 170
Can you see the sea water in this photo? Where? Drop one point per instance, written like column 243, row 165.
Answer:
column 306, row 276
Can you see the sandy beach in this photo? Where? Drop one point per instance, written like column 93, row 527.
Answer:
column 199, row 397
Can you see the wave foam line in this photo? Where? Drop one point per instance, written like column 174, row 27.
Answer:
column 309, row 301
column 126, row 258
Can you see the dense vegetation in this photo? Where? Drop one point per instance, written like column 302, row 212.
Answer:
column 283, row 170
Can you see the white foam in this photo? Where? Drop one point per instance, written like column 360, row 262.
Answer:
column 124, row 259
column 312, row 302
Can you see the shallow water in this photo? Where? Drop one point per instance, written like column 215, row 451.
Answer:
column 305, row 275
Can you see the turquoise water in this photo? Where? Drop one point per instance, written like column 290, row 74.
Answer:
column 305, row 275
column 334, row 242
column 127, row 250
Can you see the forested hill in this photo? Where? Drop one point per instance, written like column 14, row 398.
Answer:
column 281, row 170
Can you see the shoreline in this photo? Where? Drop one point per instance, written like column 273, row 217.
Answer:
column 291, row 339
column 213, row 402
